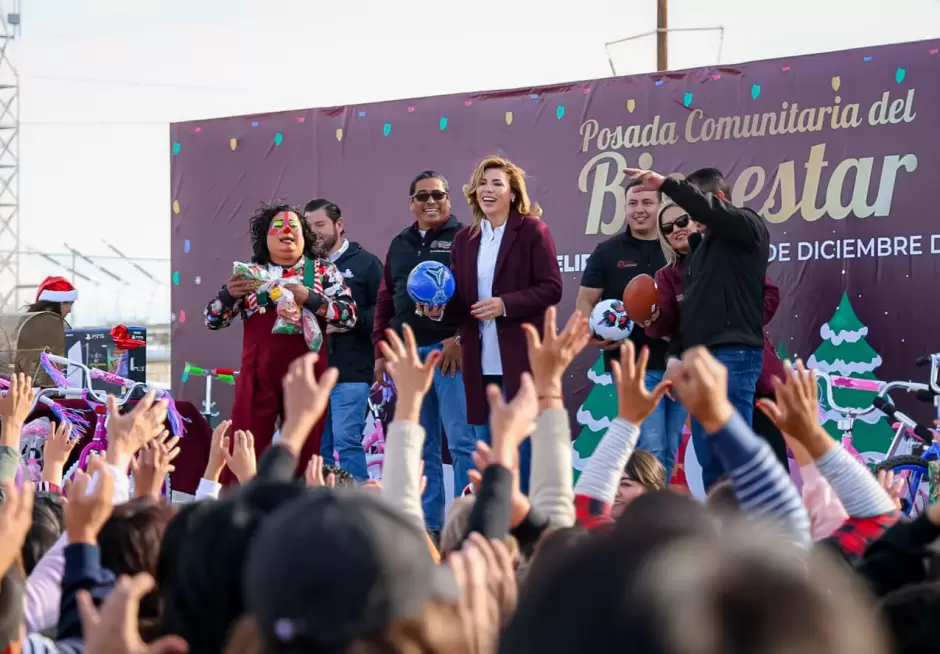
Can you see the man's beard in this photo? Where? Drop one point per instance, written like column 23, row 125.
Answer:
column 323, row 245
column 327, row 244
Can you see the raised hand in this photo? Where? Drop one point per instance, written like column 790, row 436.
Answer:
column 90, row 500
column 634, row 401
column 114, row 628
column 16, row 517
column 242, row 461
column 893, row 486
column 128, row 433
column 701, row 382
column 796, row 409
column 412, row 376
column 648, row 180
column 305, row 400
column 219, row 442
column 484, row 574
column 56, row 450
column 153, row 464
column 512, row 423
column 313, row 475
column 15, row 405
column 551, row 353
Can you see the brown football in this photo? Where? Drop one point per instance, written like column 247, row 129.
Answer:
column 640, row 298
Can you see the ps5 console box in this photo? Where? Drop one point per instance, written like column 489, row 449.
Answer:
column 96, row 348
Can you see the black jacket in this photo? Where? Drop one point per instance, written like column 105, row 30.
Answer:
column 725, row 271
column 351, row 353
column 394, row 308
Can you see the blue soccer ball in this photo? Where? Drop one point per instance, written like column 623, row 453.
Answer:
column 431, row 283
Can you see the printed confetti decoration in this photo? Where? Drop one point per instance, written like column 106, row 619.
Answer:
column 866, row 59
column 387, row 129
column 560, row 112
column 176, row 278
column 899, row 75
column 233, row 143
column 467, row 103
column 533, row 96
column 659, row 82
column 411, row 110
column 187, row 246
column 933, row 51
column 339, row 133
column 255, row 123
column 197, row 280
column 278, row 138
column 443, row 123
column 755, row 91
column 182, row 316
column 509, row 118
column 631, row 105
column 176, row 206
column 176, row 148
column 362, row 114
column 687, row 99
column 836, row 83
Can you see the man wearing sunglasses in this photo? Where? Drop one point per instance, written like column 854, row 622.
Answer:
column 429, row 238
column 723, row 301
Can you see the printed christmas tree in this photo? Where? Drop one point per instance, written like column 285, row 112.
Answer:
column 784, row 352
column 594, row 415
column 845, row 352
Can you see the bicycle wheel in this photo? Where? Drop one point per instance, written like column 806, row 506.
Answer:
column 913, row 469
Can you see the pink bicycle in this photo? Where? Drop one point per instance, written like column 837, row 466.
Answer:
column 912, row 445
column 97, row 401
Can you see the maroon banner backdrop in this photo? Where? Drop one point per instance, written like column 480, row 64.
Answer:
column 839, row 152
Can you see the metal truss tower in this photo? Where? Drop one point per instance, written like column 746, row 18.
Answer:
column 9, row 161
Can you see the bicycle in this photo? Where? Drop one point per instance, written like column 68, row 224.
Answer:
column 225, row 375
column 97, row 401
column 907, row 435
column 915, row 466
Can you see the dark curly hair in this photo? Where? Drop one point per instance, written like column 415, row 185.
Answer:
column 258, row 226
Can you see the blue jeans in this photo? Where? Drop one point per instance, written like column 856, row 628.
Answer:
column 445, row 404
column 661, row 432
column 744, row 365
column 345, row 422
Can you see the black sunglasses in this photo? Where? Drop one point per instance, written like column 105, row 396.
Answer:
column 424, row 196
column 681, row 222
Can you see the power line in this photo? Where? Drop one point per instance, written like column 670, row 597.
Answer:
column 122, row 82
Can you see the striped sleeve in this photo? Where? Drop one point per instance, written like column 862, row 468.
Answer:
column 854, row 484
column 763, row 488
column 598, row 483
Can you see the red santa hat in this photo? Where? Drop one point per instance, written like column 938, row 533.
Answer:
column 56, row 289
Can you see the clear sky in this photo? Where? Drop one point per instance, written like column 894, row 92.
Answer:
column 102, row 79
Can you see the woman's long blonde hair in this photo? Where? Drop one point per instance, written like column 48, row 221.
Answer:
column 672, row 255
column 522, row 204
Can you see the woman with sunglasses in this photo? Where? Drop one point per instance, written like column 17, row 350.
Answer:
column 676, row 230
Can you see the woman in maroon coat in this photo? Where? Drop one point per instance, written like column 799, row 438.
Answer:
column 506, row 269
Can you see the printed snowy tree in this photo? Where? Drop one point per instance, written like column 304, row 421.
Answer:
column 784, row 352
column 594, row 415
column 845, row 352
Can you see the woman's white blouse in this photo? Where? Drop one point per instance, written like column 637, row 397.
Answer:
column 490, row 240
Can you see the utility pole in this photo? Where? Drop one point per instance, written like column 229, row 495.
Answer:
column 9, row 160
column 662, row 35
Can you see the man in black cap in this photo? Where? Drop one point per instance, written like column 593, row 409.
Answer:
column 334, row 567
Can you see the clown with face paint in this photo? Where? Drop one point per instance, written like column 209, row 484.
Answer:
column 284, row 245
